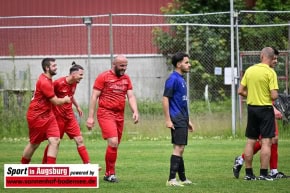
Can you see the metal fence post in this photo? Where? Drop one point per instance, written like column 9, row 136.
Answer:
column 233, row 90
column 111, row 38
column 88, row 22
column 187, row 75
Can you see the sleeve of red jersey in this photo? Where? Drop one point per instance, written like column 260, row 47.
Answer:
column 47, row 89
column 100, row 82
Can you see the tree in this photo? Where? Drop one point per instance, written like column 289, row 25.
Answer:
column 209, row 46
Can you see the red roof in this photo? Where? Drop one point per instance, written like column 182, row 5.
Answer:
column 72, row 40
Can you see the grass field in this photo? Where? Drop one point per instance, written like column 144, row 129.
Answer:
column 143, row 165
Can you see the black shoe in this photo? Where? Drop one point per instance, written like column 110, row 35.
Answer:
column 267, row 178
column 237, row 167
column 250, row 177
column 111, row 178
column 279, row 175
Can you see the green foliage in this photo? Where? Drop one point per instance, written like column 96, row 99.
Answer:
column 13, row 109
column 203, row 41
column 273, row 5
column 256, row 38
column 200, row 6
column 209, row 47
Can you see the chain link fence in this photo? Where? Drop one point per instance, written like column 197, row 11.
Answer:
column 148, row 41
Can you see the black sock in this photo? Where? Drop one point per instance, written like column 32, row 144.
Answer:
column 263, row 172
column 249, row 171
column 181, row 170
column 174, row 166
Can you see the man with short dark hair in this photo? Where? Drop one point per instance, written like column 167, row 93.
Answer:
column 177, row 117
column 41, row 120
column 66, row 120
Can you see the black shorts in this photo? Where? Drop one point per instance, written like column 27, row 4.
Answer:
column 179, row 136
column 261, row 122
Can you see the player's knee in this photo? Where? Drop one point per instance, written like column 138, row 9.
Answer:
column 113, row 143
column 79, row 140
column 54, row 141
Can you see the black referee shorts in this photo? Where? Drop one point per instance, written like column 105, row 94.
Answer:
column 261, row 122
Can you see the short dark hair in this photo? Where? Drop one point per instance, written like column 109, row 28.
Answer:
column 46, row 62
column 75, row 67
column 276, row 52
column 178, row 57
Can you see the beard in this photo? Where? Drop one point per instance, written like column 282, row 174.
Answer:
column 52, row 73
column 119, row 73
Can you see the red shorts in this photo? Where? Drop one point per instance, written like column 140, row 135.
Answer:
column 41, row 129
column 111, row 123
column 68, row 126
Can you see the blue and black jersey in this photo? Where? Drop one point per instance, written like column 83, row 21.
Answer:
column 176, row 91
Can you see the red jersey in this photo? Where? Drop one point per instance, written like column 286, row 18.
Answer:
column 62, row 89
column 40, row 106
column 113, row 90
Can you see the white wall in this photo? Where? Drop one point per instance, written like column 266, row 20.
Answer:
column 148, row 73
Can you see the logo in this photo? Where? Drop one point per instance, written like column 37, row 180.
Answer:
column 51, row 176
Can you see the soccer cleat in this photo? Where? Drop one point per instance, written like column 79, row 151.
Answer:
column 111, row 178
column 186, row 182
column 173, row 182
column 250, row 177
column 237, row 167
column 267, row 178
column 279, row 175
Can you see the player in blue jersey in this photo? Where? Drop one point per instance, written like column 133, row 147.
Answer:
column 177, row 117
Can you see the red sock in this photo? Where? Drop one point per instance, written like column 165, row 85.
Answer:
column 25, row 161
column 257, row 147
column 51, row 160
column 44, row 159
column 110, row 158
column 84, row 154
column 274, row 156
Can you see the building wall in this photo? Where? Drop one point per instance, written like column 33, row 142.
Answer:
column 148, row 74
column 78, row 7
column 28, row 46
column 30, row 36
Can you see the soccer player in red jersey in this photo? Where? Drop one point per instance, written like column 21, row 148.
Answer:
column 66, row 120
column 110, row 89
column 41, row 120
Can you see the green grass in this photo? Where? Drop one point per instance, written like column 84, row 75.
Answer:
column 143, row 165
